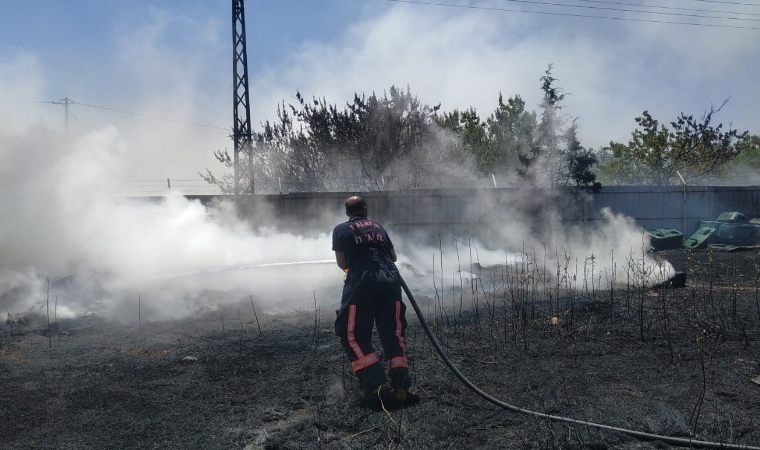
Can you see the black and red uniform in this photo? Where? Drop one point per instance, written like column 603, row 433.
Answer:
column 371, row 295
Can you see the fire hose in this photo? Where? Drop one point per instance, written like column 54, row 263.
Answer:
column 640, row 435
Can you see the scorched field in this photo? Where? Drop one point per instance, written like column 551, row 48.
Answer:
column 681, row 362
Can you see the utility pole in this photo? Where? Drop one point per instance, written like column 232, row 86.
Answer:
column 241, row 108
column 65, row 102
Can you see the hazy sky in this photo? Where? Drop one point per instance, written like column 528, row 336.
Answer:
column 172, row 61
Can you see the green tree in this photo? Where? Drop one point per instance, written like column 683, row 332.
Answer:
column 470, row 137
column 615, row 165
column 511, row 131
column 749, row 151
column 578, row 161
column 540, row 161
column 656, row 154
column 315, row 146
column 552, row 153
column 303, row 149
column 385, row 129
column 393, row 141
column 540, row 156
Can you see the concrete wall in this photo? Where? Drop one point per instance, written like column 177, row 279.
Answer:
column 482, row 212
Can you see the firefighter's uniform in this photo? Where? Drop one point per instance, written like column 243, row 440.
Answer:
column 371, row 295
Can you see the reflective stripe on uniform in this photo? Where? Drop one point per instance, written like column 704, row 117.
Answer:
column 399, row 362
column 350, row 332
column 399, row 330
column 364, row 362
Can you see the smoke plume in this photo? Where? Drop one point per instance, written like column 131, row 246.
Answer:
column 66, row 234
column 63, row 222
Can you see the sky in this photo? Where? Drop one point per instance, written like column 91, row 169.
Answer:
column 151, row 86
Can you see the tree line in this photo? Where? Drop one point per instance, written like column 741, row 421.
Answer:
column 393, row 141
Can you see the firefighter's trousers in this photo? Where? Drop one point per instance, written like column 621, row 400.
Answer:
column 374, row 298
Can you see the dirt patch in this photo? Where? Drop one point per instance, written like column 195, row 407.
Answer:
column 677, row 362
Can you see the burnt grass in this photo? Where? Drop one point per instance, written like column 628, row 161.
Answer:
column 676, row 362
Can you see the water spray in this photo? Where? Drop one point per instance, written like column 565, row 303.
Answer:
column 247, row 267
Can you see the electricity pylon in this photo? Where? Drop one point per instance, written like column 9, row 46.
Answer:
column 242, row 112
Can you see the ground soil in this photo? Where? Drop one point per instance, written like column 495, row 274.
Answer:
column 676, row 362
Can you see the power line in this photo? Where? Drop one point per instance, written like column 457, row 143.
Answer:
column 80, row 122
column 604, row 8
column 150, row 117
column 674, row 8
column 586, row 16
column 72, row 102
column 756, row 5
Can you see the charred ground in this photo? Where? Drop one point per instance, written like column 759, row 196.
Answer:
column 677, row 362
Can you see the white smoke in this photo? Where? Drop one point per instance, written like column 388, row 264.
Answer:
column 63, row 220
column 610, row 252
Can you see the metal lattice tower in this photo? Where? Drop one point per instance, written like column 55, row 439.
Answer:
column 242, row 111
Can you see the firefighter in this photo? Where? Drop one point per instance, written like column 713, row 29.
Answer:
column 372, row 296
